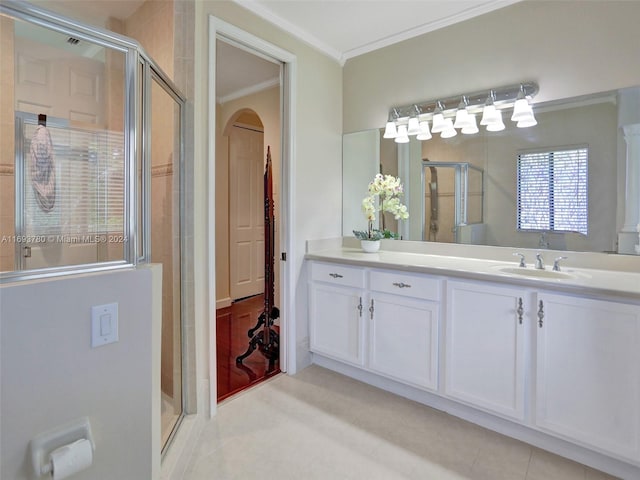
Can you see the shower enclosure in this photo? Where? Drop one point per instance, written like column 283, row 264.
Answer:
column 453, row 202
column 91, row 164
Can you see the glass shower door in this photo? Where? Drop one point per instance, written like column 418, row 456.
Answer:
column 165, row 154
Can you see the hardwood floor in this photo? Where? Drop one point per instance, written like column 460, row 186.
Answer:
column 232, row 324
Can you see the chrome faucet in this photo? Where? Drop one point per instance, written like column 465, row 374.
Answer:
column 539, row 262
column 556, row 263
column 522, row 264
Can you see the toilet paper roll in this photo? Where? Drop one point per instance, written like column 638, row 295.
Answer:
column 70, row 459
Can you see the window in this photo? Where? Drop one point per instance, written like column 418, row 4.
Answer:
column 552, row 190
column 89, row 186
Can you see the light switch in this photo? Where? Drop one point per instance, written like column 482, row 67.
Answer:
column 104, row 324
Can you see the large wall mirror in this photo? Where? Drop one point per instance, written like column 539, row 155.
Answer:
column 465, row 189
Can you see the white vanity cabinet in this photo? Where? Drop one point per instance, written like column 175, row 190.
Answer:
column 404, row 312
column 588, row 372
column 485, row 335
column 336, row 299
column 381, row 320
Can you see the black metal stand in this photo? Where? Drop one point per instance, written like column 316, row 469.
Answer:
column 267, row 340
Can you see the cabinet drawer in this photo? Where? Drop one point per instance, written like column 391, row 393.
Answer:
column 406, row 284
column 336, row 274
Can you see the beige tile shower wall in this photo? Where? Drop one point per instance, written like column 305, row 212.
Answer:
column 152, row 26
column 7, row 129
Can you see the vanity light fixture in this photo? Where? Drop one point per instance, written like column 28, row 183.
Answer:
column 472, row 127
column 425, row 133
column 413, row 128
column 522, row 112
column 415, row 118
column 462, row 114
column 490, row 114
column 438, row 118
column 449, row 130
column 402, row 137
column 390, row 130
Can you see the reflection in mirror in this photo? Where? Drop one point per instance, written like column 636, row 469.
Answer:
column 453, row 199
column 591, row 121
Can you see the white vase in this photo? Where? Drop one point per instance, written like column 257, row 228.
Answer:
column 370, row 246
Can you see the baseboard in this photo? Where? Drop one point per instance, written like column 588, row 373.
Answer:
column 180, row 451
column 223, row 303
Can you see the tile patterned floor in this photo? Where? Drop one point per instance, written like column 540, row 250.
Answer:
column 321, row 425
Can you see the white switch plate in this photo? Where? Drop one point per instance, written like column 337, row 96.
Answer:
column 104, row 324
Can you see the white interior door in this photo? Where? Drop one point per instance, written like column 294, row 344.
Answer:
column 246, row 222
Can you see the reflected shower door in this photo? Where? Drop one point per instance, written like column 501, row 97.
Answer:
column 165, row 149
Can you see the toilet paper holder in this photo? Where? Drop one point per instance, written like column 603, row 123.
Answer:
column 43, row 444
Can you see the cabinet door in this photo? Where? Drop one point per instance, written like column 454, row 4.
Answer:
column 404, row 339
column 588, row 372
column 485, row 334
column 336, row 322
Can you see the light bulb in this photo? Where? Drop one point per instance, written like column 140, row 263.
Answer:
column 472, row 127
column 448, row 131
column 424, row 134
column 414, row 126
column 390, row 130
column 402, row 134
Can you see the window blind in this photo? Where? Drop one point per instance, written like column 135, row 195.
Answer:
column 89, row 169
column 552, row 191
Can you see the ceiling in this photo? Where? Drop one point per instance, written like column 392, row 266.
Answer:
column 347, row 28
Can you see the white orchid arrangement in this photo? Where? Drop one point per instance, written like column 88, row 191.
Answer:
column 384, row 196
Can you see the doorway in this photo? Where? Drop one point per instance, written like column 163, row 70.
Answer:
column 249, row 119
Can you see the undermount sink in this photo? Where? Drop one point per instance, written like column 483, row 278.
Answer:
column 535, row 273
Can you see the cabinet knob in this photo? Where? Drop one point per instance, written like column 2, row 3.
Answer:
column 335, row 275
column 520, row 310
column 401, row 285
column 371, row 309
column 540, row 313
column 360, row 306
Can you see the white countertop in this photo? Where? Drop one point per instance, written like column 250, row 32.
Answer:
column 587, row 281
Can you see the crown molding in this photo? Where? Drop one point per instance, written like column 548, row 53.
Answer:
column 342, row 57
column 291, row 28
column 427, row 27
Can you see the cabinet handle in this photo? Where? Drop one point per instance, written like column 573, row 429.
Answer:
column 371, row 309
column 520, row 310
column 335, row 275
column 540, row 314
column 401, row 285
column 360, row 307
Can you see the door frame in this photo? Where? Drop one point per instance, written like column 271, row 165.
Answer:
column 257, row 46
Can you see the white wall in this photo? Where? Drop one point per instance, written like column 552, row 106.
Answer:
column 50, row 375
column 570, row 48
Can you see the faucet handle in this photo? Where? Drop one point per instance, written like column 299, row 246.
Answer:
column 522, row 264
column 556, row 263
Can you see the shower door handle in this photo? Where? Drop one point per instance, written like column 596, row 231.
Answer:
column 27, row 252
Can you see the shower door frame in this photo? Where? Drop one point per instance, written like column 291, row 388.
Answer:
column 150, row 73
